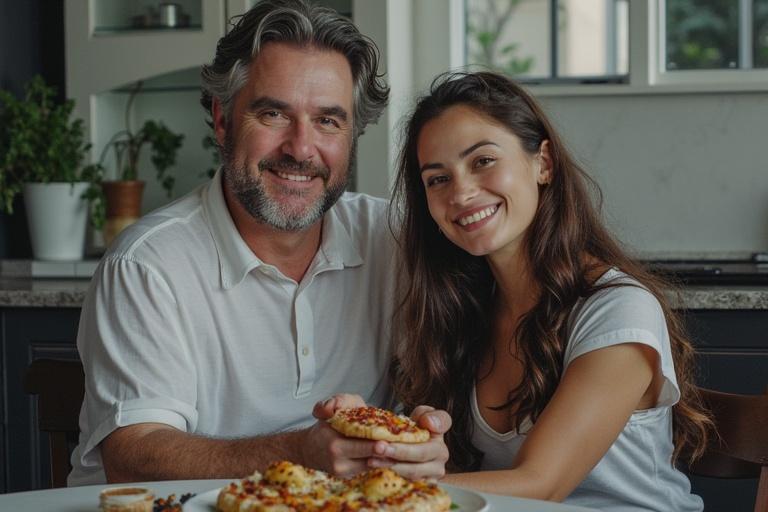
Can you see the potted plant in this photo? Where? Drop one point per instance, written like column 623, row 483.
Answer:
column 123, row 195
column 41, row 155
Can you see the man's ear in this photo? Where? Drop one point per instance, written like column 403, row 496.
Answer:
column 545, row 164
column 219, row 122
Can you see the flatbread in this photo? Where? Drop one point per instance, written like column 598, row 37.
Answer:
column 378, row 425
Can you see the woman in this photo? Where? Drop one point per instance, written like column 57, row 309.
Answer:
column 566, row 373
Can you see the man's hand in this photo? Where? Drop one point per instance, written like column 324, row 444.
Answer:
column 326, row 449
column 420, row 460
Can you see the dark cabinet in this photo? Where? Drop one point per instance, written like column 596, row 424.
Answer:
column 28, row 334
column 732, row 356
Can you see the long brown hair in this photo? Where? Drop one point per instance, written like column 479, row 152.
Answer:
column 443, row 324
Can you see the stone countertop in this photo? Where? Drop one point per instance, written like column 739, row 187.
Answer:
column 722, row 297
column 69, row 293
column 42, row 293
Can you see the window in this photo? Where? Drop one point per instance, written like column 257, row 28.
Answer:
column 550, row 40
column 710, row 44
column 760, row 33
column 622, row 46
column 716, row 34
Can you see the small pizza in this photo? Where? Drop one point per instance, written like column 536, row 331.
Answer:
column 288, row 487
column 377, row 424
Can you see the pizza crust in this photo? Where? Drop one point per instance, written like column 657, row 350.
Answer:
column 378, row 425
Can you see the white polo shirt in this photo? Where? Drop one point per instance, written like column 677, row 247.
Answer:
column 184, row 325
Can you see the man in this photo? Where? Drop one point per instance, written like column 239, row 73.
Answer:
column 214, row 324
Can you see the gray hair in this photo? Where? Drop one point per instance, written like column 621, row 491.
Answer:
column 303, row 24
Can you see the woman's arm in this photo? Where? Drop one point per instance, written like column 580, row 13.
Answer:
column 596, row 396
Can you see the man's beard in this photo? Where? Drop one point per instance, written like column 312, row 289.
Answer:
column 251, row 194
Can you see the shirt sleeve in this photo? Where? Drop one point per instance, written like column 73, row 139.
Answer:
column 622, row 314
column 137, row 366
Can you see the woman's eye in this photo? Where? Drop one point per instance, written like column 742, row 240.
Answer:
column 436, row 180
column 484, row 161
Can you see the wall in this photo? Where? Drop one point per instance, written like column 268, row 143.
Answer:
column 679, row 172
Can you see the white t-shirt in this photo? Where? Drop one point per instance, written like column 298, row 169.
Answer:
column 636, row 473
column 184, row 325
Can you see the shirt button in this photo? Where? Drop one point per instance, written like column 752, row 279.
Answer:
column 305, row 351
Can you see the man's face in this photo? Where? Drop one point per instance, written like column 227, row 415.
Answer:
column 289, row 142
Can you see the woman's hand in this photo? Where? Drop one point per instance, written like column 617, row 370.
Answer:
column 417, row 460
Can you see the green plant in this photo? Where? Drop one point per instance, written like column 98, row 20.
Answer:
column 40, row 144
column 127, row 145
column 486, row 25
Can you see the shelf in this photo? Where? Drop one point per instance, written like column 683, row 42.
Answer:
column 111, row 17
column 184, row 80
column 106, row 31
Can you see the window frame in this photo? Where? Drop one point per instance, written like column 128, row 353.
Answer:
column 646, row 63
column 554, row 78
column 744, row 72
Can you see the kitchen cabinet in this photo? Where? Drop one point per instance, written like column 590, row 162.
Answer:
column 28, row 334
column 732, row 356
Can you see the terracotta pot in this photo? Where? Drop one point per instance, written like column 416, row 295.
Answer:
column 123, row 203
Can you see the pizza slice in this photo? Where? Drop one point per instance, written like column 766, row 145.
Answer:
column 378, row 425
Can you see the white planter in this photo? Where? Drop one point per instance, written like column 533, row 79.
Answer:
column 57, row 219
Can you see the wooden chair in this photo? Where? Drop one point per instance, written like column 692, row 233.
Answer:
column 742, row 449
column 59, row 386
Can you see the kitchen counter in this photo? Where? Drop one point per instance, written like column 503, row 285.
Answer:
column 69, row 293
column 721, row 297
column 42, row 293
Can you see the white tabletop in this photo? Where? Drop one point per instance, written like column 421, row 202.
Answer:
column 86, row 498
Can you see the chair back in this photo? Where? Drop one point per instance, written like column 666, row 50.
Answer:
column 59, row 386
column 741, row 450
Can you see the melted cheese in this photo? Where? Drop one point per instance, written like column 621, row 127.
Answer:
column 383, row 483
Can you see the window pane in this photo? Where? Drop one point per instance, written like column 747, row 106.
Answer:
column 593, row 38
column 512, row 36
column 702, row 34
column 515, row 36
column 760, row 32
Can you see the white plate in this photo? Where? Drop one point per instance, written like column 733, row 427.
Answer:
column 467, row 501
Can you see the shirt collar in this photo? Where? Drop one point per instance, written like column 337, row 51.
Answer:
column 236, row 259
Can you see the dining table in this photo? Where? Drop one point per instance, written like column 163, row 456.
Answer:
column 86, row 498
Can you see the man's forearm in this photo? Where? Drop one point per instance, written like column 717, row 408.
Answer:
column 139, row 453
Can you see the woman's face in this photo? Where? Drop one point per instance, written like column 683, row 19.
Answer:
column 482, row 187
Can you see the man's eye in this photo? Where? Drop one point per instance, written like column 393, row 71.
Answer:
column 328, row 121
column 270, row 115
column 273, row 118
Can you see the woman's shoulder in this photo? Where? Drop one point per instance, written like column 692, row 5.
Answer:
column 613, row 289
column 620, row 307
